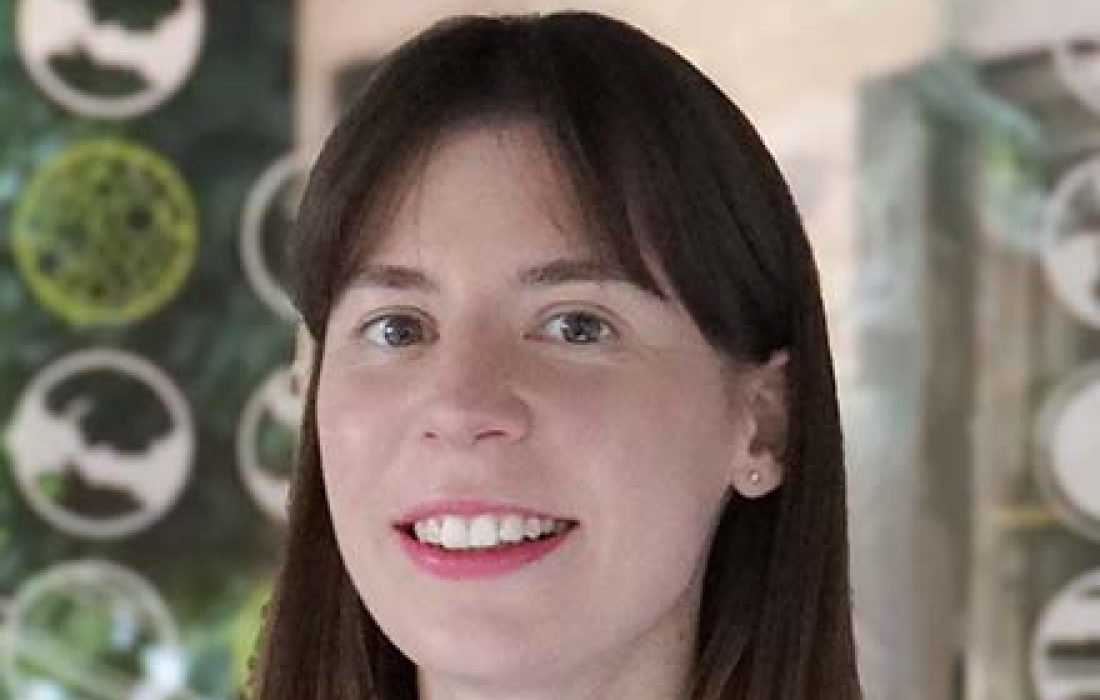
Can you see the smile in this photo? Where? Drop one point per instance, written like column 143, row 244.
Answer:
column 487, row 530
column 482, row 546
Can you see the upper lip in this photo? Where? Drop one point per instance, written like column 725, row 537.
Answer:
column 466, row 506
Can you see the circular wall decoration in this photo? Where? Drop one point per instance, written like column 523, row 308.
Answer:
column 267, row 440
column 266, row 222
column 111, row 60
column 1077, row 65
column 1069, row 442
column 105, row 232
column 1065, row 650
column 101, row 444
column 1070, row 241
column 91, row 629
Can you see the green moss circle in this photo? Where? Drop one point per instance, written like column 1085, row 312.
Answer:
column 105, row 233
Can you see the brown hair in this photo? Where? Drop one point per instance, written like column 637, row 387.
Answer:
column 659, row 159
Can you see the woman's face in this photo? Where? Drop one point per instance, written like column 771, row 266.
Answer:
column 457, row 382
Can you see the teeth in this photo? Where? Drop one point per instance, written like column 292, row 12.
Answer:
column 482, row 531
column 532, row 528
column 511, row 528
column 455, row 534
column 428, row 530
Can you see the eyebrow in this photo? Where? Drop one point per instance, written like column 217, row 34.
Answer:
column 547, row 275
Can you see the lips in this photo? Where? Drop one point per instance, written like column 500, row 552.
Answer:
column 476, row 562
column 479, row 563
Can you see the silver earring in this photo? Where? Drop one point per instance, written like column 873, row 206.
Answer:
column 755, row 477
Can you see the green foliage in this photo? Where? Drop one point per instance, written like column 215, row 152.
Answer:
column 78, row 69
column 136, row 16
column 210, row 556
column 275, row 452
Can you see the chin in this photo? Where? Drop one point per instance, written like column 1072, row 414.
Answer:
column 483, row 656
column 486, row 667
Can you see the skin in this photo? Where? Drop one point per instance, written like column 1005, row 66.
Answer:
column 633, row 430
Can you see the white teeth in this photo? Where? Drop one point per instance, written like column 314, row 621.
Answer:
column 454, row 534
column 532, row 528
column 511, row 528
column 429, row 530
column 486, row 530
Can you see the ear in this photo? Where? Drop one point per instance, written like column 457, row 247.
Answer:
column 760, row 469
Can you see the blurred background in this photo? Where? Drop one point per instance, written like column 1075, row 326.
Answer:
column 943, row 154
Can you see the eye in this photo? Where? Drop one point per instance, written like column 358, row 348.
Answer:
column 394, row 330
column 580, row 328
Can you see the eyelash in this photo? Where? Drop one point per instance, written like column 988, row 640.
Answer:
column 363, row 329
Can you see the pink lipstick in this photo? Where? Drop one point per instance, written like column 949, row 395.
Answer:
column 510, row 553
column 477, row 562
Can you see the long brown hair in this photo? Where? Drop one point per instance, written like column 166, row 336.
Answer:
column 659, row 159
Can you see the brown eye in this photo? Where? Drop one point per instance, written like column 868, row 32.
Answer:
column 394, row 331
column 580, row 328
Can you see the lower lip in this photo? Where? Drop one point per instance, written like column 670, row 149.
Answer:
column 478, row 563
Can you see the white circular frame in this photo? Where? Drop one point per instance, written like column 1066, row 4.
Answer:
column 74, row 574
column 191, row 12
column 270, row 494
column 1054, row 212
column 1063, row 607
column 1056, row 494
column 170, row 396
column 260, row 198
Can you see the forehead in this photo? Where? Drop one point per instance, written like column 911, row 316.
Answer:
column 488, row 185
column 496, row 200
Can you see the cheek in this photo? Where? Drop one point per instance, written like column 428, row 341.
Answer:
column 351, row 434
column 674, row 440
column 669, row 467
column 350, row 431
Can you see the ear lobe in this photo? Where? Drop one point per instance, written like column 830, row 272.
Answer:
column 758, row 478
column 768, row 417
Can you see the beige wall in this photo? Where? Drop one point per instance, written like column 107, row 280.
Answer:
column 769, row 55
column 997, row 27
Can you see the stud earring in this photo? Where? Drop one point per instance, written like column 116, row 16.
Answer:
column 755, row 477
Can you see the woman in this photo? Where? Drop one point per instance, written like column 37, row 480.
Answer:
column 571, row 426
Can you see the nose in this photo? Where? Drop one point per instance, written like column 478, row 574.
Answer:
column 471, row 398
